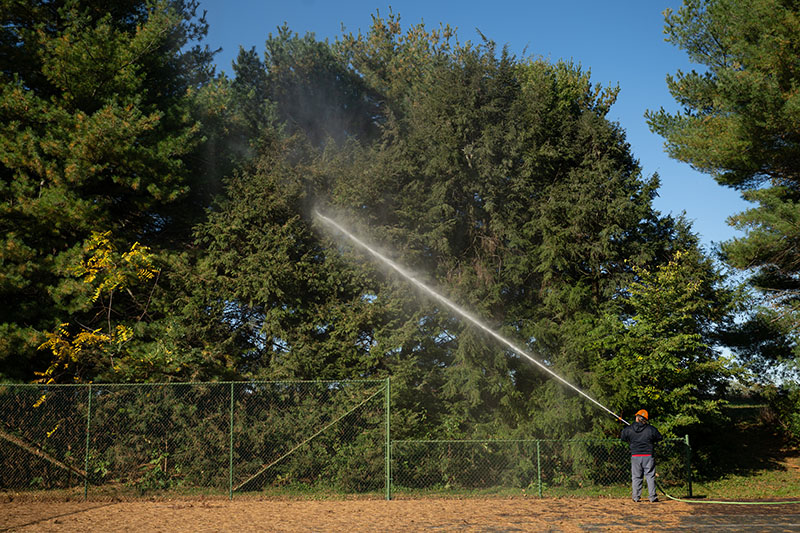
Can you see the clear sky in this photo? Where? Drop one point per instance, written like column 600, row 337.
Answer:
column 620, row 41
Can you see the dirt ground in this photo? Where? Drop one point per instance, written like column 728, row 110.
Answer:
column 490, row 515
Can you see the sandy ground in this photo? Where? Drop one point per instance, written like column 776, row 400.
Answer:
column 491, row 515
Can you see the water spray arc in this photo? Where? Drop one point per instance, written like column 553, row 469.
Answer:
column 458, row 310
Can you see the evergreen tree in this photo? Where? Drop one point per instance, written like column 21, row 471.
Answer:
column 314, row 93
column 297, row 306
column 96, row 135
column 739, row 124
column 500, row 181
column 664, row 352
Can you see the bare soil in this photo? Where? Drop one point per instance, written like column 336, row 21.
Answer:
column 495, row 515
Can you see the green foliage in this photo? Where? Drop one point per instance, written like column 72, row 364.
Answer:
column 513, row 191
column 97, row 135
column 313, row 91
column 296, row 309
column 501, row 180
column 785, row 401
column 740, row 124
column 663, row 355
column 741, row 112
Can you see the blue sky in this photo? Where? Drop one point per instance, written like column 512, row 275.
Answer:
column 620, row 41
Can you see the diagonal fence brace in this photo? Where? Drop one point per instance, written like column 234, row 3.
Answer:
column 38, row 452
column 309, row 439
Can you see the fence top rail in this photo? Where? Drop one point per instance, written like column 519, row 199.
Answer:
column 511, row 441
column 176, row 383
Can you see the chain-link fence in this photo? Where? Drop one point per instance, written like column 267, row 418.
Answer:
column 302, row 438
column 531, row 467
column 194, row 438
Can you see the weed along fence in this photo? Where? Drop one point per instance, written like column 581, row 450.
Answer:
column 295, row 438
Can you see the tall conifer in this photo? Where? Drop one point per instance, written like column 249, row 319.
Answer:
column 96, row 134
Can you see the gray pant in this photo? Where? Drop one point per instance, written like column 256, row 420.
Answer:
column 643, row 467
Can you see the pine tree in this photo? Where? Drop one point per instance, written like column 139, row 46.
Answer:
column 500, row 181
column 739, row 124
column 96, row 135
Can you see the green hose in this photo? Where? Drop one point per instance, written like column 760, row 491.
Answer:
column 720, row 502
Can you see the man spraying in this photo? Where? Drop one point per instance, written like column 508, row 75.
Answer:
column 641, row 437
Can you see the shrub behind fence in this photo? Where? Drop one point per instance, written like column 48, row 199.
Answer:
column 532, row 467
column 277, row 437
column 213, row 437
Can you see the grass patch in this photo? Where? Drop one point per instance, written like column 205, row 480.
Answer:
column 751, row 459
column 774, row 483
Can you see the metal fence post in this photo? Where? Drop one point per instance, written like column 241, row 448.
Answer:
column 230, row 449
column 388, row 444
column 688, row 463
column 86, row 455
column 539, row 465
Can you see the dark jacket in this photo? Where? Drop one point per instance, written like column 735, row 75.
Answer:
column 641, row 438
